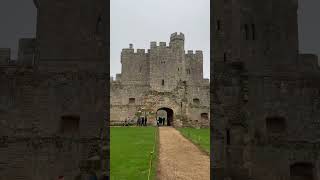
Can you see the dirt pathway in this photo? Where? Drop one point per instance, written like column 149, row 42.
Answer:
column 179, row 159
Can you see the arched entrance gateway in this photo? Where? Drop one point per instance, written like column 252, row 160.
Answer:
column 167, row 114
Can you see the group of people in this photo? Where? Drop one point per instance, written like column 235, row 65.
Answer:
column 161, row 120
column 142, row 121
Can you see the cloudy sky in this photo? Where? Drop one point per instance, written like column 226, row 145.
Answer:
column 142, row 21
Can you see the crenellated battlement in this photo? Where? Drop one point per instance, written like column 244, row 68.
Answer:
column 190, row 52
column 163, row 44
column 177, row 36
column 129, row 51
column 199, row 52
column 141, row 51
column 153, row 44
column 195, row 55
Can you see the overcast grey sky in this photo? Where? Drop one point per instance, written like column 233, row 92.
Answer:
column 142, row 21
column 17, row 20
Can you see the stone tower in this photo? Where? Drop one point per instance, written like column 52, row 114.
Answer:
column 167, row 65
column 177, row 41
column 259, row 77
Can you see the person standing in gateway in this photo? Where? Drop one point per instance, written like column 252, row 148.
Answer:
column 145, row 121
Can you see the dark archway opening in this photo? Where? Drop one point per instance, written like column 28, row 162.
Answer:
column 302, row 171
column 166, row 114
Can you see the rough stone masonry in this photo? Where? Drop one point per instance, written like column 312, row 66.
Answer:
column 53, row 98
column 164, row 77
column 265, row 94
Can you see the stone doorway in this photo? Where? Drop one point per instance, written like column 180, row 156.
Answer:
column 167, row 114
column 302, row 171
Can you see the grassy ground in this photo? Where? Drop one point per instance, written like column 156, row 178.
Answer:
column 200, row 137
column 130, row 152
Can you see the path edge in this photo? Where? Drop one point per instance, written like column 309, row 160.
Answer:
column 196, row 144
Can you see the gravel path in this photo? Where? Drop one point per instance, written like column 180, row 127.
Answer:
column 179, row 159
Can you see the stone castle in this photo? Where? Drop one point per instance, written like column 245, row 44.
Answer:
column 266, row 95
column 163, row 78
column 52, row 99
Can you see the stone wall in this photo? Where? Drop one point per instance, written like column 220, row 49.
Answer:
column 265, row 94
column 53, row 114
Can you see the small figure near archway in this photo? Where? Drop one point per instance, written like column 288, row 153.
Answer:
column 165, row 116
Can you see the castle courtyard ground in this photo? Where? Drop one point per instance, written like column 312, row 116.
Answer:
column 179, row 158
column 178, row 154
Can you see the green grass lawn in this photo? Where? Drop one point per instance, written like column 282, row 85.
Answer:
column 130, row 152
column 200, row 137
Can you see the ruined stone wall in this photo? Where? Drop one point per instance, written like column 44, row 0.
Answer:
column 186, row 112
column 121, row 107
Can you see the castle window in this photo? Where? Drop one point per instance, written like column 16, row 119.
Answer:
column 196, row 101
column 253, row 32
column 218, row 25
column 204, row 116
column 162, row 82
column 188, row 71
column 178, row 69
column 228, row 136
column 224, row 57
column 99, row 25
column 132, row 100
column 276, row 125
column 69, row 124
column 246, row 31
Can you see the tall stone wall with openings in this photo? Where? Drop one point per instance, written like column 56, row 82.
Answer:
column 53, row 117
column 265, row 94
